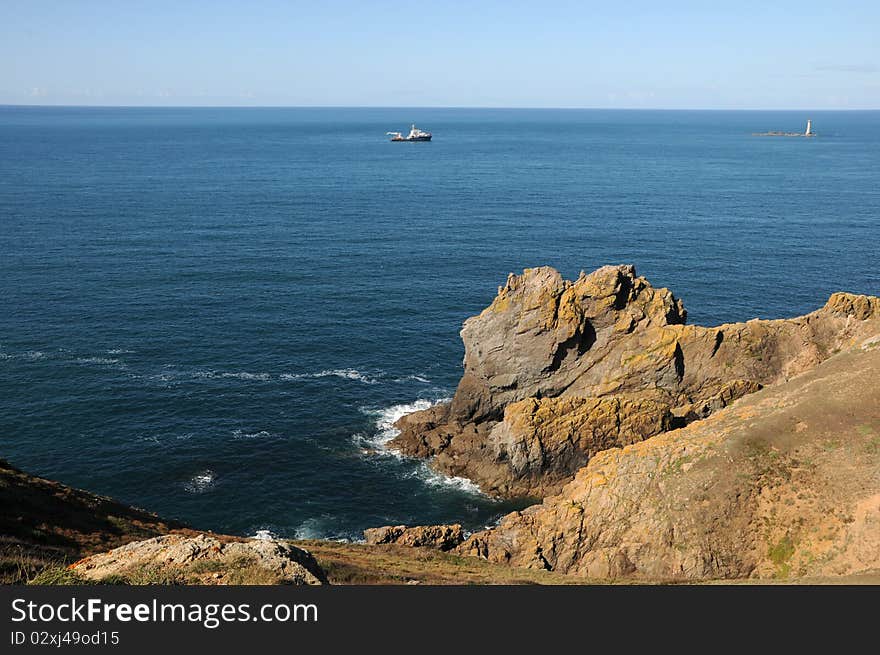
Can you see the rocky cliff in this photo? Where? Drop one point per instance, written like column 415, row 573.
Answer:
column 785, row 483
column 662, row 451
column 557, row 371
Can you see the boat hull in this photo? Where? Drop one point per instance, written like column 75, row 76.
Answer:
column 417, row 138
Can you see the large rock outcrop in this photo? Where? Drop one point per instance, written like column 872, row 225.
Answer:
column 785, row 483
column 203, row 559
column 556, row 371
column 441, row 537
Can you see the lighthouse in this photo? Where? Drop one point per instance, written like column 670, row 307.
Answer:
column 809, row 131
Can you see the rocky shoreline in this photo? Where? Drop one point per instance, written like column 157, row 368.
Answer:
column 557, row 371
column 654, row 451
column 596, row 396
column 783, row 484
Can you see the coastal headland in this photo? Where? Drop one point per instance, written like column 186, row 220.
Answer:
column 654, row 451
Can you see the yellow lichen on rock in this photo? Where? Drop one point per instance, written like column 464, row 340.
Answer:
column 755, row 490
column 607, row 334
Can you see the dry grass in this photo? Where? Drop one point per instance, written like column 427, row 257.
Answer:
column 45, row 523
column 360, row 564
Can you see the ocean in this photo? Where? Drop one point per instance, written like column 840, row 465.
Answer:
column 216, row 314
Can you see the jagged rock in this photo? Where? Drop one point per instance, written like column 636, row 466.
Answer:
column 859, row 307
column 727, row 393
column 205, row 559
column 441, row 537
column 608, row 335
column 785, row 483
column 541, row 443
column 541, row 333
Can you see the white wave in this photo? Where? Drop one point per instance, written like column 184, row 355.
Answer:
column 165, row 437
column 266, row 535
column 172, row 375
column 244, row 375
column 241, row 434
column 28, row 355
column 201, row 482
column 234, row 375
column 119, row 351
column 385, row 432
column 363, row 441
column 344, row 373
column 164, row 380
column 161, row 377
column 412, row 378
column 434, row 479
column 97, row 360
column 314, row 528
column 388, row 416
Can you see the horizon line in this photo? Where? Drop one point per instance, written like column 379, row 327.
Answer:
column 496, row 107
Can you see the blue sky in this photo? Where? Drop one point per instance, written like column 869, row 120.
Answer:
column 673, row 54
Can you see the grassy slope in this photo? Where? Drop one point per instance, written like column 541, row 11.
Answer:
column 44, row 522
column 346, row 563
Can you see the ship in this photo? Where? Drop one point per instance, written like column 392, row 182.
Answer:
column 415, row 134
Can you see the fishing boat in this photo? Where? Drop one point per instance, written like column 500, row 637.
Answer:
column 415, row 134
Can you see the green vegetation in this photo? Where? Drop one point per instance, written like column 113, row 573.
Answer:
column 146, row 575
column 756, row 448
column 15, row 569
column 207, row 566
column 252, row 575
column 346, row 563
column 56, row 575
column 676, row 466
column 780, row 553
column 830, row 444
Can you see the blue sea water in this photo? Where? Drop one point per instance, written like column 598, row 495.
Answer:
column 216, row 314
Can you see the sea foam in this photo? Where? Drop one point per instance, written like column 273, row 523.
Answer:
column 388, row 416
column 104, row 361
column 234, row 375
column 241, row 434
column 28, row 355
column 320, row 527
column 344, row 373
column 385, row 431
column 413, row 378
column 434, row 479
column 200, row 482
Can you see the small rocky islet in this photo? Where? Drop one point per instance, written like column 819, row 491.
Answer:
column 655, row 450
